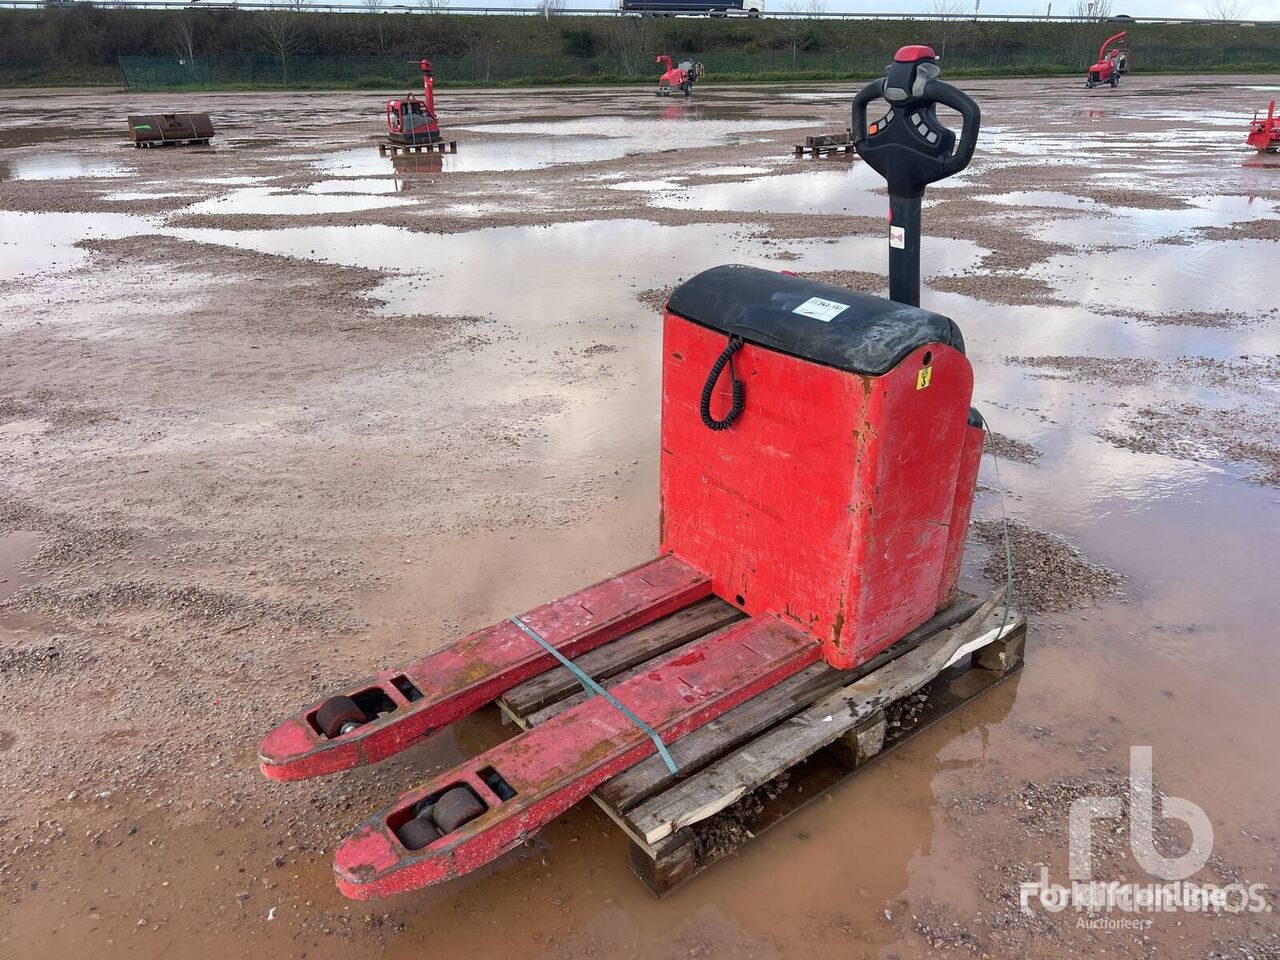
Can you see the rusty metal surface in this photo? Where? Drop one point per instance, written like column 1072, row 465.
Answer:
column 170, row 127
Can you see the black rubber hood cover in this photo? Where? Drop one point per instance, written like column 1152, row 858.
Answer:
column 817, row 321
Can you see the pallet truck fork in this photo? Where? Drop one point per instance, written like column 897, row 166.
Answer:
column 822, row 495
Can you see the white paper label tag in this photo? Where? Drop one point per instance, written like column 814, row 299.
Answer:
column 897, row 238
column 819, row 309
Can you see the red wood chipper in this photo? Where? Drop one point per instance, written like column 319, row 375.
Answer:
column 681, row 77
column 1264, row 132
column 1113, row 60
column 413, row 120
column 824, row 490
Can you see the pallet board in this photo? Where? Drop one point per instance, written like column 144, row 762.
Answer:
column 843, row 150
column 818, row 710
column 825, row 144
column 440, row 146
column 144, row 144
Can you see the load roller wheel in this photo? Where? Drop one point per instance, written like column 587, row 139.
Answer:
column 418, row 833
column 339, row 715
column 456, row 807
column 499, row 786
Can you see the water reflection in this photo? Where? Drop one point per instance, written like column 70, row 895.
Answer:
column 59, row 166
column 531, row 145
column 856, row 189
column 43, row 243
column 544, row 274
column 267, row 200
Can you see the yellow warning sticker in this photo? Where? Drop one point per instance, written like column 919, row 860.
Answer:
column 923, row 377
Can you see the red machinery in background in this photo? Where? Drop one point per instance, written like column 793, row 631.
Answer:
column 413, row 119
column 1264, row 132
column 824, row 490
column 1112, row 62
column 682, row 77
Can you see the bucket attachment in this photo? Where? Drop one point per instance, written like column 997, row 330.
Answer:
column 161, row 129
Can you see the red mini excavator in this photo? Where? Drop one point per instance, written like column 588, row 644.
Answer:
column 1112, row 62
column 682, row 77
column 413, row 120
column 1264, row 132
column 824, row 490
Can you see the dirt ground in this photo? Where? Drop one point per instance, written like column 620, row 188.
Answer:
column 280, row 411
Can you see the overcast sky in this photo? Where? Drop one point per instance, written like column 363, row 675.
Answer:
column 1258, row 9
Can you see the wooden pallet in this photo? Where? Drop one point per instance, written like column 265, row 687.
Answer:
column 192, row 142
column 825, row 145
column 440, row 146
column 827, row 150
column 841, row 714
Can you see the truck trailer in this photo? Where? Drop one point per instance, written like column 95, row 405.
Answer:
column 671, row 8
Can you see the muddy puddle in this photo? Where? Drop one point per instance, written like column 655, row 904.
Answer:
column 1100, row 147
column 1209, row 276
column 268, row 201
column 59, row 166
column 850, row 190
column 680, row 126
column 838, row 185
column 16, row 547
column 477, row 156
column 33, row 243
column 522, row 273
column 532, row 145
column 372, row 185
column 1039, row 198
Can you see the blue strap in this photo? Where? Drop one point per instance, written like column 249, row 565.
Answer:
column 592, row 687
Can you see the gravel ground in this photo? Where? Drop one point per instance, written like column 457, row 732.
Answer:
column 1007, row 448
column 1048, row 572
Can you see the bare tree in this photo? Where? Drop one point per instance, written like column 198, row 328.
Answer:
column 1091, row 9
column 297, row 5
column 279, row 29
column 432, row 6
column 946, row 12
column 627, row 38
column 184, row 36
column 376, row 6
column 815, row 8
column 796, row 31
column 550, row 8
column 1224, row 10
column 479, row 41
column 183, row 31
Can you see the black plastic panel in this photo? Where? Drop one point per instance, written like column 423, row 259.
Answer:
column 870, row 335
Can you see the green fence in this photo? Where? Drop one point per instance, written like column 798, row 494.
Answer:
column 394, row 72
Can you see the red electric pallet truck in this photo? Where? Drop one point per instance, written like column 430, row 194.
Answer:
column 825, row 492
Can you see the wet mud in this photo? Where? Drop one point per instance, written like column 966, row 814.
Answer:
column 279, row 412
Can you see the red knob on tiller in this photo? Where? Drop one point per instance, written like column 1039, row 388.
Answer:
column 914, row 52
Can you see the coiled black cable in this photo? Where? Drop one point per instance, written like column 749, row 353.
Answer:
column 739, row 389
